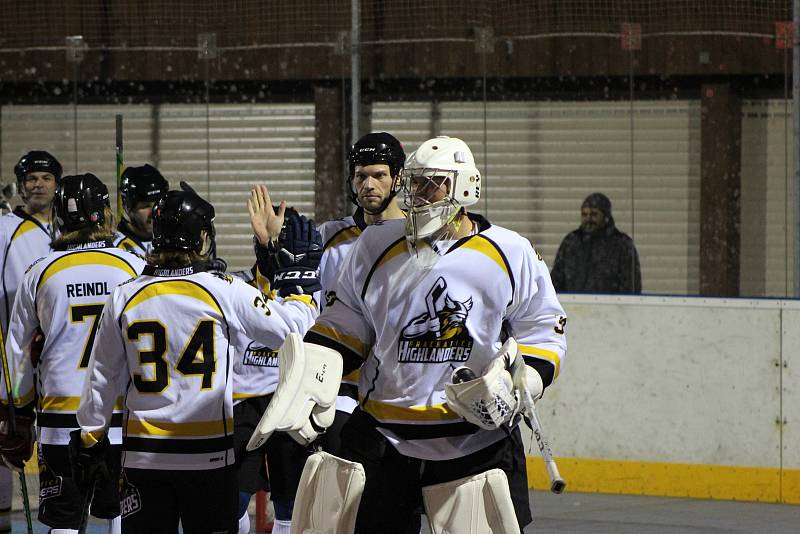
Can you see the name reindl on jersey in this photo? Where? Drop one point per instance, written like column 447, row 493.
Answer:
column 88, row 289
column 434, row 351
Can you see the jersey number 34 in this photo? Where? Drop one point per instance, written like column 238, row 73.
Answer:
column 197, row 358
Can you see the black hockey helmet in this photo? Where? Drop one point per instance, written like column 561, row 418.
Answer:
column 36, row 161
column 80, row 201
column 372, row 149
column 179, row 217
column 141, row 184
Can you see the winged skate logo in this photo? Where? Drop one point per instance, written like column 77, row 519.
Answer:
column 439, row 334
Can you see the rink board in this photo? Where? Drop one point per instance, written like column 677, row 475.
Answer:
column 677, row 396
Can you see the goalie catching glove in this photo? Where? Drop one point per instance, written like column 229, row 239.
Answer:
column 292, row 264
column 304, row 404
column 506, row 387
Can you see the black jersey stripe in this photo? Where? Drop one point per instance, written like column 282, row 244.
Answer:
column 178, row 446
column 69, row 420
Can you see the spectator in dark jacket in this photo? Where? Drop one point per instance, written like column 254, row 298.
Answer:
column 597, row 257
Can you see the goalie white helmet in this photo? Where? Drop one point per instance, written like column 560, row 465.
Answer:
column 439, row 179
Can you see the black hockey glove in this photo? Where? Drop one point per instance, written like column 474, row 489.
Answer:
column 292, row 265
column 17, row 447
column 90, row 465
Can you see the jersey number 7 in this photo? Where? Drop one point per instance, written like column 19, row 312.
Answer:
column 78, row 314
column 198, row 356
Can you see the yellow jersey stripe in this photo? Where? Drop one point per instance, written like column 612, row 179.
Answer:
column 351, row 232
column 68, row 404
column 390, row 412
column 173, row 287
column 24, row 400
column 140, row 427
column 242, row 396
column 351, row 342
column 536, row 352
column 24, row 228
column 308, row 300
column 480, row 244
column 352, row 377
column 78, row 259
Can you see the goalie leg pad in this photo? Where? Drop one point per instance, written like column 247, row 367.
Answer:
column 309, row 378
column 328, row 495
column 471, row 505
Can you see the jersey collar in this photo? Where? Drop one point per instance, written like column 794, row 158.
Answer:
column 193, row 268
column 105, row 243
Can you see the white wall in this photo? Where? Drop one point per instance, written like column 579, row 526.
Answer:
column 653, row 380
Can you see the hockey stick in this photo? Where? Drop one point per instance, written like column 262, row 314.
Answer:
column 12, row 429
column 119, row 167
column 557, row 484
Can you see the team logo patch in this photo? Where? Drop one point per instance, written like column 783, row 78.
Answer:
column 130, row 500
column 260, row 356
column 439, row 334
column 49, row 488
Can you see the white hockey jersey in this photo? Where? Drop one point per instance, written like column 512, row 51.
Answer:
column 63, row 294
column 23, row 240
column 339, row 236
column 126, row 240
column 255, row 366
column 412, row 325
column 171, row 333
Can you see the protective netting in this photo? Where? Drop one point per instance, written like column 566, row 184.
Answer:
column 256, row 23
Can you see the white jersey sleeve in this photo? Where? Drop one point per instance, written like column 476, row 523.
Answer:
column 22, row 328
column 342, row 324
column 535, row 316
column 23, row 240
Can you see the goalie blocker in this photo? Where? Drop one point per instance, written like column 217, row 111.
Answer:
column 304, row 404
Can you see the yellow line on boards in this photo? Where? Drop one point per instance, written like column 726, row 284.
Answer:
column 697, row 481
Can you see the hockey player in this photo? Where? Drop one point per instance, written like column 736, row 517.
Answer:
column 417, row 299
column 375, row 163
column 170, row 333
column 141, row 188
column 63, row 295
column 24, row 238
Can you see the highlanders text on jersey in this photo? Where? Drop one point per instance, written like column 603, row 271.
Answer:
column 412, row 325
column 23, row 240
column 63, row 294
column 171, row 333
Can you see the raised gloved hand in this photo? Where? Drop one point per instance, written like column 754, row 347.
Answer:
column 292, row 264
column 16, row 445
column 90, row 465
